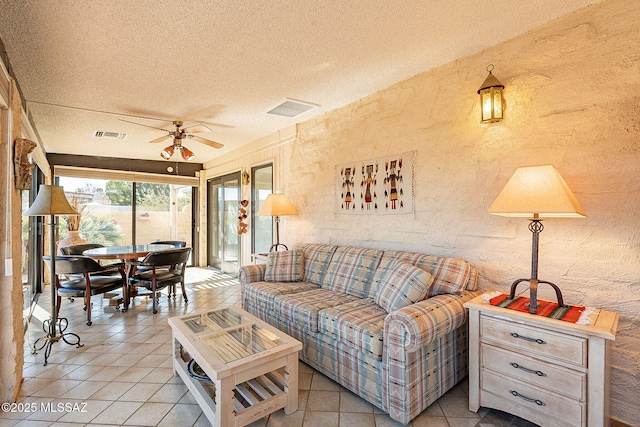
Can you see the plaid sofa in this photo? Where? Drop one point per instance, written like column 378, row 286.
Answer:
column 388, row 325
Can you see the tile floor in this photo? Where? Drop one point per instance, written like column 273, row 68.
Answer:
column 123, row 376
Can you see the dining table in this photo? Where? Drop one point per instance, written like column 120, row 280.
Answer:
column 126, row 254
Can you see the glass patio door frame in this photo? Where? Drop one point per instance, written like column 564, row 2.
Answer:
column 224, row 245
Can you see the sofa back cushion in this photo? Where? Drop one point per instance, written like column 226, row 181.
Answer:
column 405, row 284
column 284, row 266
column 450, row 275
column 351, row 270
column 316, row 261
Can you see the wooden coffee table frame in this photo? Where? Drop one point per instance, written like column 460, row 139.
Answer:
column 242, row 390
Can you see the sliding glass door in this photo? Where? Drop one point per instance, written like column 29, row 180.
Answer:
column 223, row 194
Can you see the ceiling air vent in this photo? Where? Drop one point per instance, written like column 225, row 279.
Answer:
column 109, row 135
column 291, row 108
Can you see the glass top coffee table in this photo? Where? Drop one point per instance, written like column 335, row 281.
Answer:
column 238, row 367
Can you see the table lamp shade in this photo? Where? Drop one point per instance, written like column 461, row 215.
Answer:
column 537, row 192
column 277, row 205
column 50, row 201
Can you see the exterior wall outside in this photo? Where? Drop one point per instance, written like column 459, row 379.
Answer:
column 571, row 93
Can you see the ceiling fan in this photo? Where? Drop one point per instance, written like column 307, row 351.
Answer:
column 178, row 135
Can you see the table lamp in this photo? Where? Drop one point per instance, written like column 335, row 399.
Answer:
column 536, row 192
column 277, row 205
column 52, row 201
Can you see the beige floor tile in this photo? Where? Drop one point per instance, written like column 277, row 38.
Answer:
column 112, row 391
column 457, row 407
column 321, row 419
column 321, row 400
column 108, row 373
column 84, row 389
column 426, row 421
column 181, row 414
column 353, row 419
column 149, row 414
column 133, row 374
column 140, row 392
column 117, row 413
column 87, row 413
column 57, row 388
column 349, row 402
column 158, row 375
column 33, row 385
column 280, row 419
column 384, row 420
column 169, row 393
column 321, row 382
column 83, row 372
column 462, row 422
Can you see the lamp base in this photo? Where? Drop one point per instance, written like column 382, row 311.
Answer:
column 52, row 337
column 533, row 292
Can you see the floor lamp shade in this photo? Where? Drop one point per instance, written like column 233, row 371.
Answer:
column 536, row 192
column 50, row 201
column 277, row 205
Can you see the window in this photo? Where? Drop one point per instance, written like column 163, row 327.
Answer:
column 261, row 187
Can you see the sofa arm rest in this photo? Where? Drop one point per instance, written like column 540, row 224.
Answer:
column 415, row 326
column 251, row 273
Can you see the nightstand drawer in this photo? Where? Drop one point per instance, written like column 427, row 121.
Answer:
column 535, row 341
column 522, row 395
column 535, row 372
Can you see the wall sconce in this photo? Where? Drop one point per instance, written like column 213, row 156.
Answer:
column 491, row 98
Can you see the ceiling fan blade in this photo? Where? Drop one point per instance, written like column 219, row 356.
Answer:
column 197, row 128
column 206, row 141
column 139, row 124
column 162, row 138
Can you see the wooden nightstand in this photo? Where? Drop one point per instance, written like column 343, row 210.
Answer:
column 547, row 371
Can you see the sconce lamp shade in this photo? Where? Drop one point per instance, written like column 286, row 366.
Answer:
column 277, row 205
column 491, row 98
column 50, row 201
column 537, row 192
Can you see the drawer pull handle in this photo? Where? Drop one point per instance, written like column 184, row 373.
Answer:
column 528, row 399
column 538, row 340
column 531, row 371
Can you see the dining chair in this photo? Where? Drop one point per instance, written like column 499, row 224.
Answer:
column 112, row 268
column 174, row 243
column 164, row 268
column 82, row 279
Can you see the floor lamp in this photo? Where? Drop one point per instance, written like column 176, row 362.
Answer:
column 51, row 201
column 536, row 192
column 277, row 205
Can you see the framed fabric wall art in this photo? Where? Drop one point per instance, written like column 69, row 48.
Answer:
column 379, row 186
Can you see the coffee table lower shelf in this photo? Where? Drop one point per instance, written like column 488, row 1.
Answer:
column 252, row 399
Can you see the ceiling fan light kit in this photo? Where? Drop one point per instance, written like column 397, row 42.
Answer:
column 178, row 135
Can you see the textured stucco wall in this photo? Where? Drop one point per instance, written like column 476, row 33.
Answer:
column 573, row 100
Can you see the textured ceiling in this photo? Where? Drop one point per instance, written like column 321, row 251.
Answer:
column 83, row 65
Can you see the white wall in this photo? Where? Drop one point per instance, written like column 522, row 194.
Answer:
column 573, row 100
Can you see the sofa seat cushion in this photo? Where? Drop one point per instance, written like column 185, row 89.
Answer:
column 351, row 270
column 359, row 324
column 304, row 308
column 264, row 293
